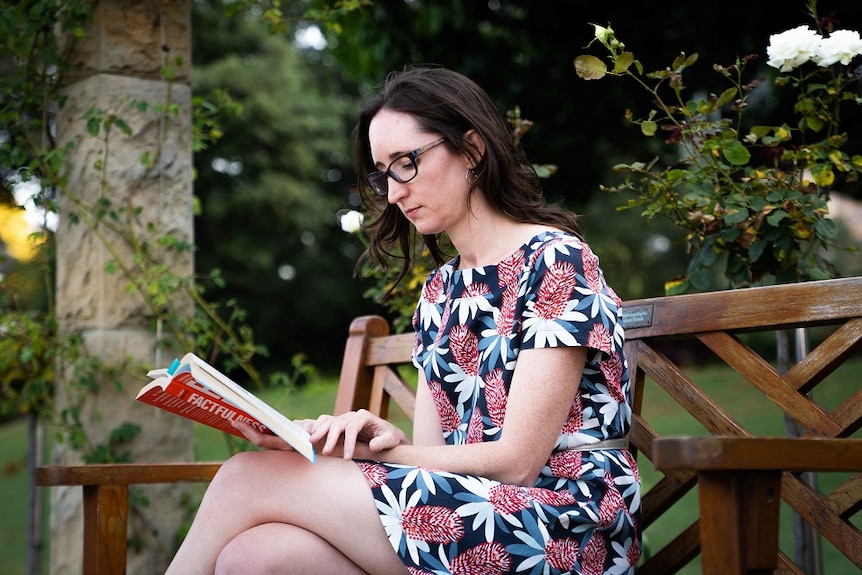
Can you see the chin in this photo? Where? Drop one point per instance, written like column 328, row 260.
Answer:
column 427, row 230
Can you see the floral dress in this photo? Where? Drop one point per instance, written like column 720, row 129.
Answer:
column 582, row 514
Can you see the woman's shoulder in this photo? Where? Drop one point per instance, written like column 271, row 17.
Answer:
column 554, row 238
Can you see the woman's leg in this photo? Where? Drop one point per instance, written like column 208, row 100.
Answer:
column 282, row 549
column 329, row 499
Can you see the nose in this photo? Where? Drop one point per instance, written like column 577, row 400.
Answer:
column 396, row 191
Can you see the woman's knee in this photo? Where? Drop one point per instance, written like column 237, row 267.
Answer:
column 246, row 466
column 239, row 556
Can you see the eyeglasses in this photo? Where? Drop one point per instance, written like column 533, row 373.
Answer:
column 402, row 169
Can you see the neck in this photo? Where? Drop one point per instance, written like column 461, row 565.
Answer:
column 491, row 240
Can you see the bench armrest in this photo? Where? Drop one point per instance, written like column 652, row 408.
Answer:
column 757, row 453
column 739, row 490
column 106, row 502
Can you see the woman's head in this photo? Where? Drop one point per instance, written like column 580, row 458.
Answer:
column 447, row 104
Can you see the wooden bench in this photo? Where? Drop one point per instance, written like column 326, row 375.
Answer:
column 741, row 478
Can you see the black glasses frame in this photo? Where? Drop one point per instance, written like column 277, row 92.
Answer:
column 379, row 180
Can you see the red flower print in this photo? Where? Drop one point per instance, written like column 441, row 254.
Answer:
column 632, row 463
column 551, row 497
column 375, row 474
column 483, row 559
column 495, row 397
column 612, row 370
column 432, row 523
column 449, row 418
column 476, row 289
column 592, row 273
column 600, row 338
column 509, row 269
column 613, row 295
column 415, row 571
column 566, row 464
column 433, row 290
column 575, row 420
column 611, row 503
column 555, row 291
column 634, row 553
column 562, row 553
column 506, row 317
column 475, row 431
column 464, row 346
column 508, row 498
column 595, row 554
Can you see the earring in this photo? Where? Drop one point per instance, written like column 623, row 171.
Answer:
column 471, row 176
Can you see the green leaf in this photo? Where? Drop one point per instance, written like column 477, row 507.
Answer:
column 735, row 216
column 823, row 175
column 677, row 286
column 623, row 61
column 826, row 229
column 736, row 153
column 756, row 250
column 648, row 128
column 701, row 279
column 726, row 97
column 590, row 68
column 93, row 126
column 775, row 217
column 124, row 127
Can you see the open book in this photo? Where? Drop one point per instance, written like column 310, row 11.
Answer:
column 194, row 389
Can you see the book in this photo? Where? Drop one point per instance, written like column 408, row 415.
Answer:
column 194, row 389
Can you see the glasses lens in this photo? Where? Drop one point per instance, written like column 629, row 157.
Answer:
column 403, row 169
column 378, row 182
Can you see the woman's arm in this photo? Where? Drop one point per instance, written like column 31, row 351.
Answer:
column 427, row 429
column 543, row 387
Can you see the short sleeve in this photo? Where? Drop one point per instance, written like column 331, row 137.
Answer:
column 567, row 301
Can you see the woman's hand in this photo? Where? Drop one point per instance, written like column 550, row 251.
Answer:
column 344, row 431
column 266, row 440
column 352, row 428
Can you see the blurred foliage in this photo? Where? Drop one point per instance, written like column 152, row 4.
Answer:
column 33, row 350
column 267, row 241
column 270, row 190
column 750, row 200
column 522, row 53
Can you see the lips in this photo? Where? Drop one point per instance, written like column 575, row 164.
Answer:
column 410, row 212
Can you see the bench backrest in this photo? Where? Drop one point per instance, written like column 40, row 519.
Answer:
column 667, row 336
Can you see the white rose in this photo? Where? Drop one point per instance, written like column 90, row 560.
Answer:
column 351, row 221
column 841, row 46
column 792, row 48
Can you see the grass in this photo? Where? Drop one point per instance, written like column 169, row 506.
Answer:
column 13, row 497
column 750, row 409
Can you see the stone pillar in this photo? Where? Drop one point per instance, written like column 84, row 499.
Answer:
column 120, row 61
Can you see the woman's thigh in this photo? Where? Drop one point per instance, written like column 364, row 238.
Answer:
column 330, row 500
column 281, row 549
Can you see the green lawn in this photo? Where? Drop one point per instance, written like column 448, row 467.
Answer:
column 752, row 411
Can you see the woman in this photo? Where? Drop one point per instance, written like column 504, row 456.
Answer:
column 517, row 462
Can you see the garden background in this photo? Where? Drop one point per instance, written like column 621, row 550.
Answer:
column 270, row 189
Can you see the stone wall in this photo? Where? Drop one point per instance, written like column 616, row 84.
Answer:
column 116, row 63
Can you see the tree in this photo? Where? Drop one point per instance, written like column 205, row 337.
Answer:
column 269, row 192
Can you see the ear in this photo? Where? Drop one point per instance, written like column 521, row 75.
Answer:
column 476, row 145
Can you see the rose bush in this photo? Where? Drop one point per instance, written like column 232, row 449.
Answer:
column 751, row 199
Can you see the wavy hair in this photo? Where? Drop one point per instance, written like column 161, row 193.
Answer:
column 450, row 104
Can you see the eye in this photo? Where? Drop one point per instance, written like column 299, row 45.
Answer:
column 404, row 163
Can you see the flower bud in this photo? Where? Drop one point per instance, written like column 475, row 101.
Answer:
column 351, row 221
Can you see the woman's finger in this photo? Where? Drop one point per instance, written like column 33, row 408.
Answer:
column 262, row 440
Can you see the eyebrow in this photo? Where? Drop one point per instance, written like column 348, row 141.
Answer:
column 392, row 157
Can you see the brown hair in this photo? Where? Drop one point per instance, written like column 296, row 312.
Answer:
column 450, row 104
